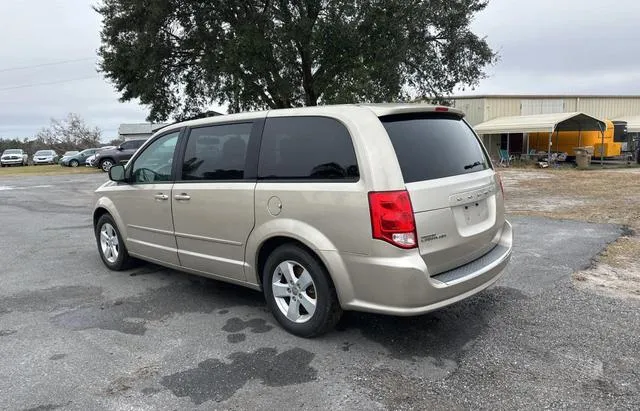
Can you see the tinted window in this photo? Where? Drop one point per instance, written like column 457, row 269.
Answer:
column 216, row 152
column 132, row 145
column 314, row 148
column 154, row 163
column 432, row 146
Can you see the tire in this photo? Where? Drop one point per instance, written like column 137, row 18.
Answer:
column 106, row 164
column 121, row 260
column 290, row 260
column 74, row 163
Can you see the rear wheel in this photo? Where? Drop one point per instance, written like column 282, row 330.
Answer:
column 106, row 164
column 299, row 292
column 110, row 245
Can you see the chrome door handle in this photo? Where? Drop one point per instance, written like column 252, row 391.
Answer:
column 183, row 197
column 161, row 196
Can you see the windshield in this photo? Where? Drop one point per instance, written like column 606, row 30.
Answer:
column 12, row 151
column 87, row 152
column 70, row 153
column 44, row 153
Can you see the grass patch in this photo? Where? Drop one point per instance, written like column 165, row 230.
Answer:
column 610, row 196
column 46, row 170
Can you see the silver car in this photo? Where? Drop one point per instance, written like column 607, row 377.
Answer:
column 45, row 157
column 391, row 209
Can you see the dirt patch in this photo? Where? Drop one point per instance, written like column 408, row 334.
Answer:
column 597, row 196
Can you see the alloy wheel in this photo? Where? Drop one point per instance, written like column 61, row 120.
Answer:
column 109, row 244
column 294, row 291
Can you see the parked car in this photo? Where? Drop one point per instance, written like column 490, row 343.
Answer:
column 67, row 154
column 391, row 209
column 44, row 157
column 79, row 158
column 14, row 157
column 89, row 162
column 121, row 154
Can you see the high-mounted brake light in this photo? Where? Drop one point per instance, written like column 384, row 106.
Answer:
column 392, row 218
column 442, row 109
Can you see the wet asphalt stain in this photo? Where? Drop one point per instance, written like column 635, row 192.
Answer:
column 56, row 357
column 131, row 315
column 48, row 407
column 236, row 338
column 256, row 325
column 443, row 334
column 50, row 299
column 346, row 346
column 126, row 382
column 214, row 380
column 148, row 269
column 150, row 391
column 4, row 333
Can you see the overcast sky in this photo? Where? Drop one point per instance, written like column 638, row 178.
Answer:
column 546, row 46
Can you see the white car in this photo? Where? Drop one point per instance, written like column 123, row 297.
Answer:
column 45, row 157
column 14, row 157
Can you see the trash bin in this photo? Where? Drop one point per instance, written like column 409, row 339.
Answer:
column 583, row 158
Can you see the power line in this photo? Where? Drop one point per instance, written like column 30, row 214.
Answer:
column 55, row 63
column 46, row 84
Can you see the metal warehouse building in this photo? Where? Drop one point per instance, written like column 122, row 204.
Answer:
column 480, row 109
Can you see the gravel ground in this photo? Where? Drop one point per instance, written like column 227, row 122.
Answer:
column 76, row 336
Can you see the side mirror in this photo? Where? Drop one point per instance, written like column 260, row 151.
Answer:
column 119, row 148
column 116, row 173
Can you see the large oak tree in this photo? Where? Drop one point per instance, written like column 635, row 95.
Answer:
column 179, row 56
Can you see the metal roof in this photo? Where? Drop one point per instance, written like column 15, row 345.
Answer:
column 633, row 123
column 540, row 123
column 139, row 128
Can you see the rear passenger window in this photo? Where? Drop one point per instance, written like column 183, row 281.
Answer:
column 216, row 152
column 307, row 148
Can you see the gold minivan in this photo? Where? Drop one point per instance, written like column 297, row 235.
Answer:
column 391, row 209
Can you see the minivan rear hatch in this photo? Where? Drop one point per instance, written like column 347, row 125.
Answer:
column 455, row 195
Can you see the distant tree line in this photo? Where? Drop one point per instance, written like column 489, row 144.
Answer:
column 69, row 133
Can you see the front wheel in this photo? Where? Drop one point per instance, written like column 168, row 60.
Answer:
column 106, row 164
column 110, row 245
column 74, row 163
column 299, row 292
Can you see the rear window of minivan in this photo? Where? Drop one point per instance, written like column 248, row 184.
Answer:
column 434, row 145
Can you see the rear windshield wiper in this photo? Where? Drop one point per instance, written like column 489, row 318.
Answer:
column 470, row 166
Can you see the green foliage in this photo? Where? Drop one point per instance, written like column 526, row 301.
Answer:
column 179, row 56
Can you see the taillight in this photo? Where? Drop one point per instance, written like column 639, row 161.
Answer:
column 392, row 218
column 441, row 109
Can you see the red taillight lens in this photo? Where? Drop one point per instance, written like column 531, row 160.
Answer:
column 441, row 109
column 392, row 218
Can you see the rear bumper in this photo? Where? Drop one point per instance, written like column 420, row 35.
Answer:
column 403, row 286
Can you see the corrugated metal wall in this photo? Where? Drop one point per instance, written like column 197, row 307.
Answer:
column 473, row 109
column 501, row 107
column 609, row 108
column 483, row 109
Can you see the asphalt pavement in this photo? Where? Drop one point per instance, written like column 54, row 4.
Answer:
column 74, row 335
